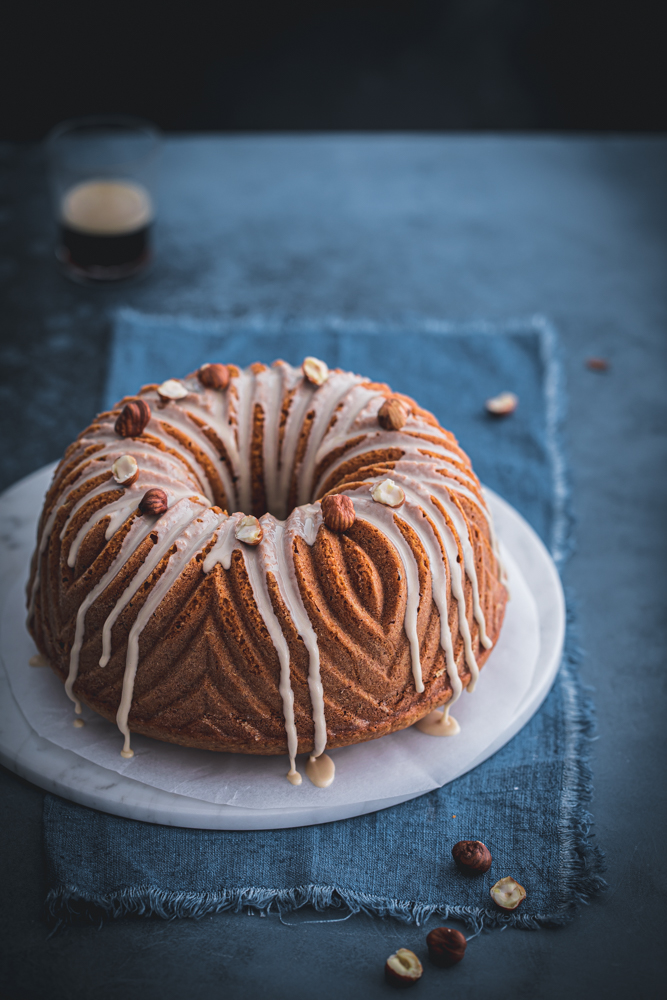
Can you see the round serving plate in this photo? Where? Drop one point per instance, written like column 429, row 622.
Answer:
column 176, row 786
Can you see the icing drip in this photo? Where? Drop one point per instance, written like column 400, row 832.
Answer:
column 255, row 563
column 335, row 391
column 433, row 472
column 271, row 556
column 439, row 723
column 412, row 514
column 383, row 518
column 321, row 770
column 192, row 538
column 463, row 536
column 138, row 531
column 269, row 389
column 280, row 561
column 167, row 528
column 456, row 572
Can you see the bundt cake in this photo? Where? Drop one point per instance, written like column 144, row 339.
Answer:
column 357, row 587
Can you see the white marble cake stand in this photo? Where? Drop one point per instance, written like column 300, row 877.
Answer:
column 71, row 775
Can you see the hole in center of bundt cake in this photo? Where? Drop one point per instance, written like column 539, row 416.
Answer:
column 270, row 493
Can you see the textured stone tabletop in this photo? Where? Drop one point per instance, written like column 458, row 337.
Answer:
column 385, row 227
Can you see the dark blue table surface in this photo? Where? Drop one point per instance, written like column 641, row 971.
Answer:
column 384, row 227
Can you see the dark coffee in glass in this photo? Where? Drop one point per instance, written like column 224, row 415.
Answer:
column 105, row 229
column 103, row 173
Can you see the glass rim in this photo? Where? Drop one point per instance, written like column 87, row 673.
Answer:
column 131, row 123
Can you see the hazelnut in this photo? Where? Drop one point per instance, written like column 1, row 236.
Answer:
column 403, row 968
column 133, row 418
column 315, row 371
column 249, row 530
column 125, row 470
column 388, row 493
column 446, row 946
column 154, row 502
column 172, row 389
column 392, row 415
column 507, row 893
column 472, row 856
column 597, row 364
column 214, row 376
column 338, row 512
column 502, row 405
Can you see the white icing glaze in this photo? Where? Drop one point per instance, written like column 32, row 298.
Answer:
column 383, row 518
column 321, row 770
column 168, row 528
column 255, row 563
column 456, row 570
column 136, row 534
column 344, row 408
column 279, row 560
column 439, row 723
column 190, row 539
column 413, row 515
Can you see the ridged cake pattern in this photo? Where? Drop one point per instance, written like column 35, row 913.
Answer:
column 171, row 624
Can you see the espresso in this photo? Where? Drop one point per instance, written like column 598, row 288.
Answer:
column 105, row 230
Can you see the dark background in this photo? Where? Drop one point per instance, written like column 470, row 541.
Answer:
column 336, row 64
column 456, row 227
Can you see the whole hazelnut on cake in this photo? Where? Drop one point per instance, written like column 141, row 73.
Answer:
column 338, row 512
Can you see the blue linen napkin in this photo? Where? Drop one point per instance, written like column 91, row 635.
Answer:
column 527, row 802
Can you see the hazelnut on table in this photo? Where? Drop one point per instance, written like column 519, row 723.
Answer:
column 507, row 893
column 472, row 856
column 446, row 946
column 403, row 968
column 503, row 404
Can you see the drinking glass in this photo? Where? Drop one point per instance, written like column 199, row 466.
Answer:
column 103, row 172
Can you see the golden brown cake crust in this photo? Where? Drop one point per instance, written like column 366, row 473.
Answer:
column 208, row 672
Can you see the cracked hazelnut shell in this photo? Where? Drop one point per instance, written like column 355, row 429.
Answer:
column 403, row 968
column 316, row 371
column 171, row 390
column 503, row 404
column 507, row 893
column 249, row 530
column 388, row 493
